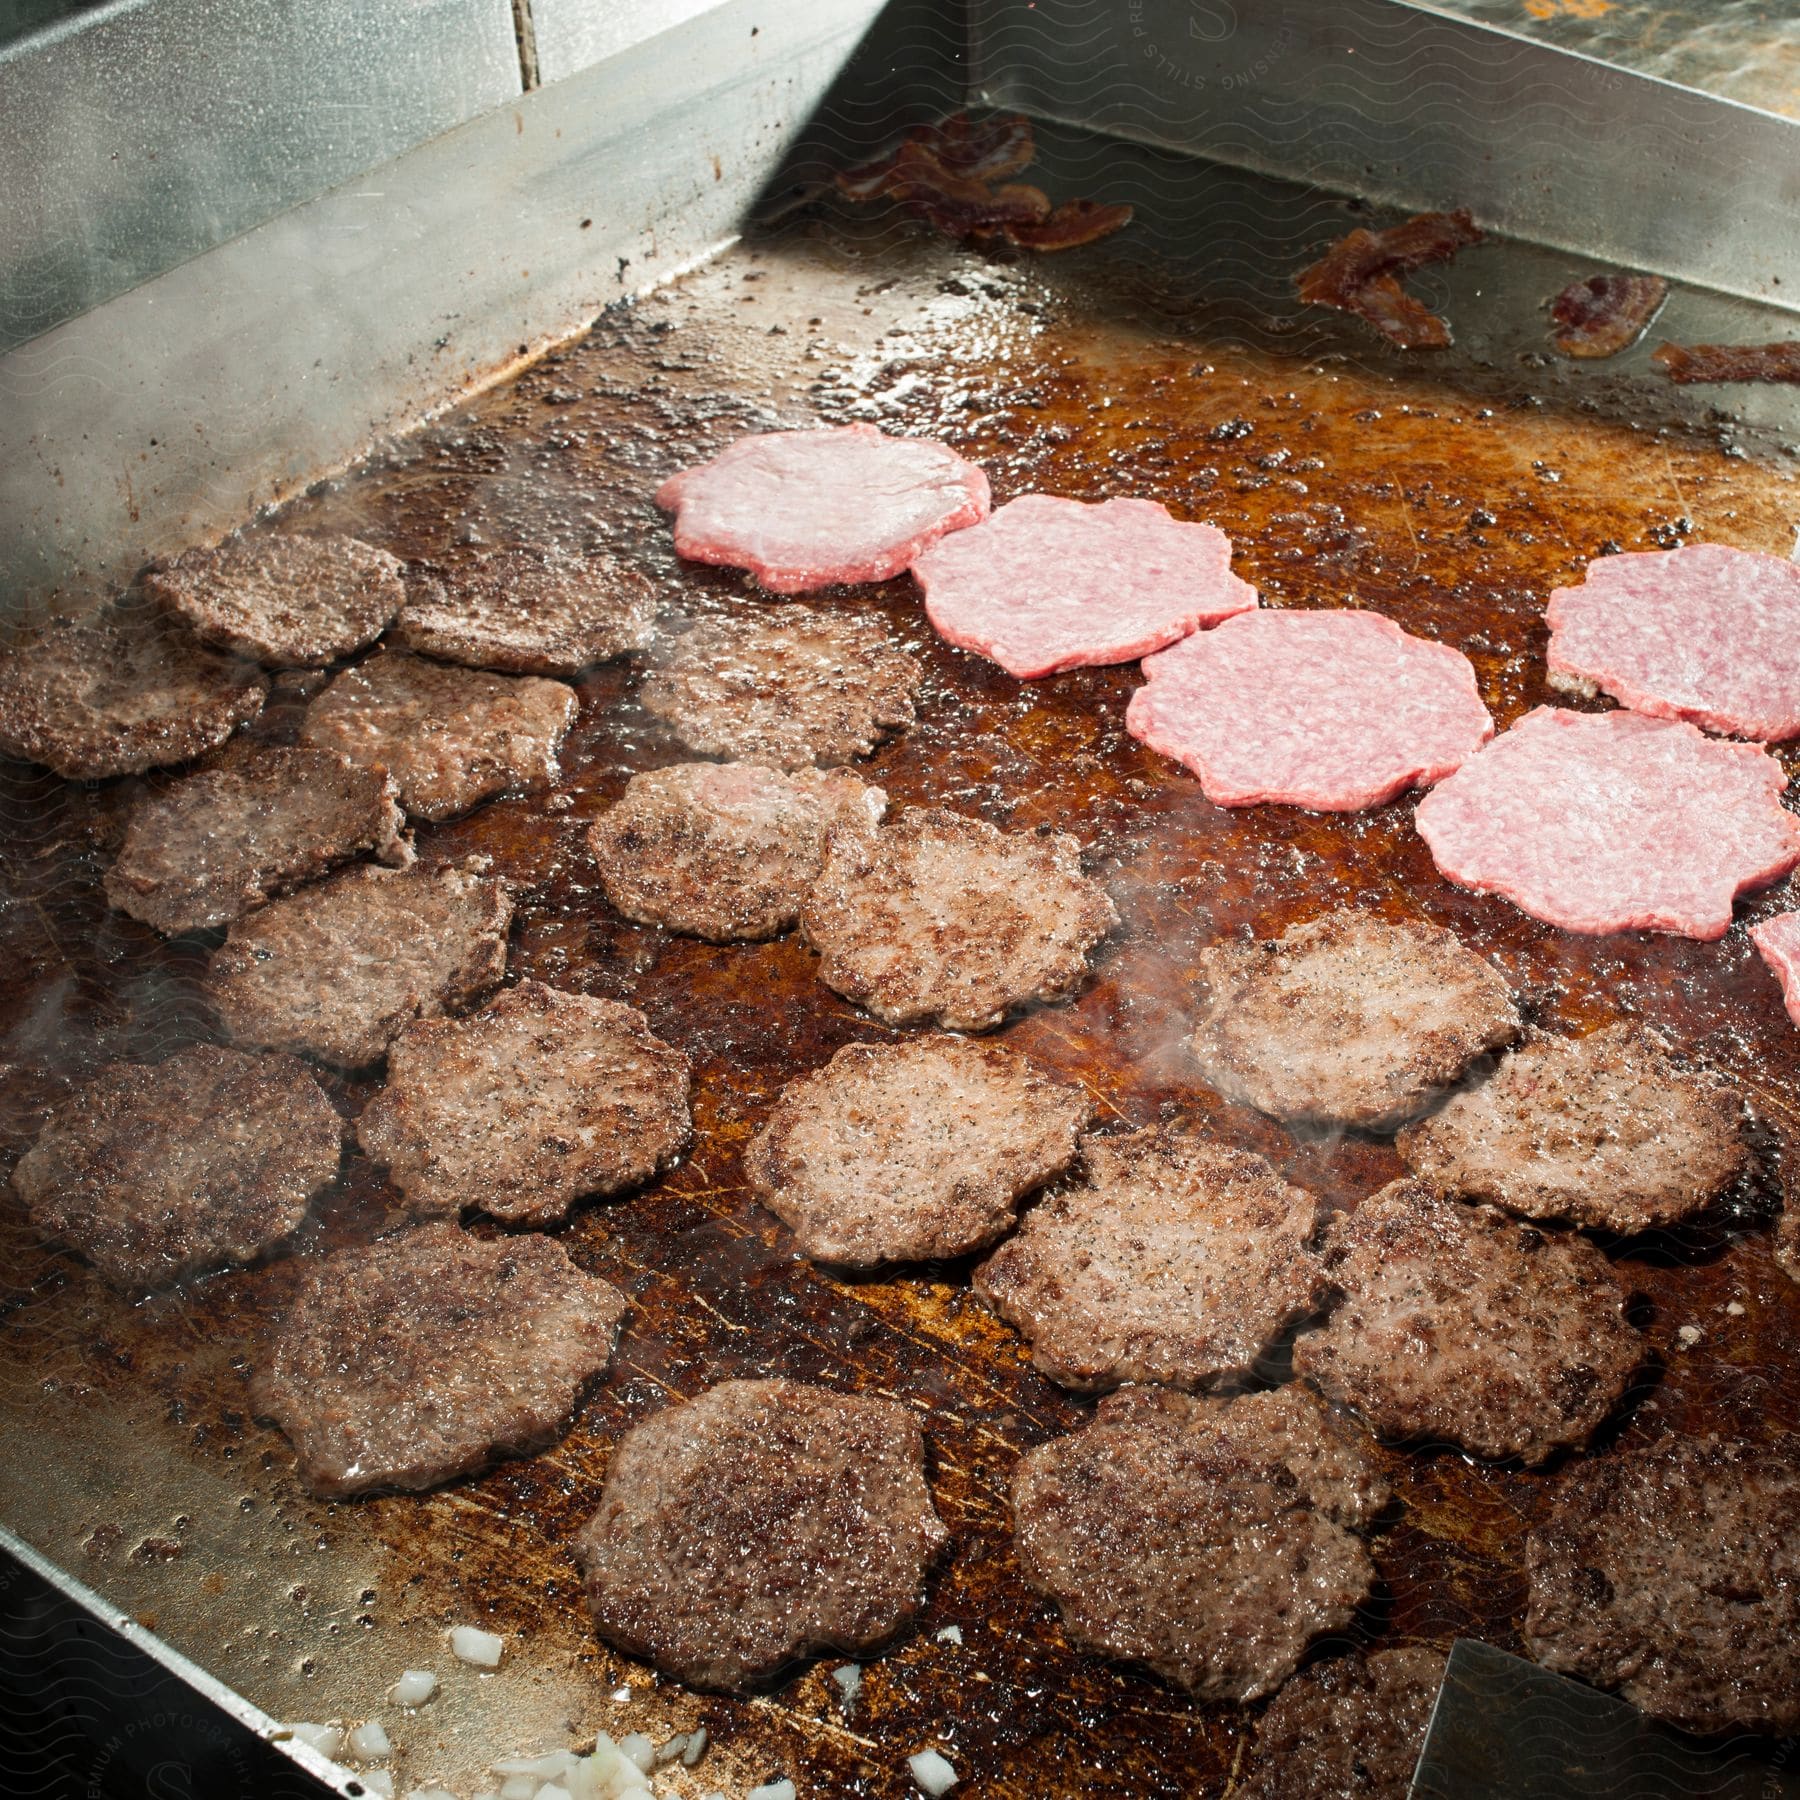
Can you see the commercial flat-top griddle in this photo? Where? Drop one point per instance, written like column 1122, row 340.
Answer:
column 1450, row 493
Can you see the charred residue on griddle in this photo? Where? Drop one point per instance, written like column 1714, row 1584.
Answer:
column 1429, row 498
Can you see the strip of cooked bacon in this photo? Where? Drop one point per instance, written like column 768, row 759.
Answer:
column 960, row 204
column 1689, row 363
column 1074, row 222
column 1605, row 313
column 986, row 151
column 1361, row 273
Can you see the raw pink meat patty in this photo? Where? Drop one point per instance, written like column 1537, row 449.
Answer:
column 804, row 509
column 1612, row 821
column 1048, row 584
column 1778, row 940
column 1333, row 710
column 1709, row 634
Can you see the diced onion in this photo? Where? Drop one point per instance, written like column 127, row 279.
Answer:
column 774, row 1790
column 415, row 1687
column 369, row 1742
column 640, row 1749
column 328, row 1740
column 379, row 1783
column 848, row 1677
column 483, row 1649
column 935, row 1774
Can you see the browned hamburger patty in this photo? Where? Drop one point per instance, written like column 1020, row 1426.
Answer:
column 1604, row 1130
column 221, row 841
column 1458, row 1323
column 762, row 1522
column 529, row 611
column 407, row 1362
column 338, row 968
column 1177, row 1260
column 525, row 1106
column 789, row 687
column 449, row 737
column 158, row 1171
column 726, row 851
column 896, row 1152
column 1350, row 1728
column 287, row 601
column 948, row 919
column 1672, row 1574
column 1347, row 1019
column 1212, row 1540
column 118, row 692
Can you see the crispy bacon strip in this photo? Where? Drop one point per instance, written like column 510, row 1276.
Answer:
column 1605, row 313
column 1361, row 273
column 1689, row 363
column 1074, row 222
column 995, row 148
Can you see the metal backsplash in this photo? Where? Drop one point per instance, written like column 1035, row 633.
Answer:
column 136, row 135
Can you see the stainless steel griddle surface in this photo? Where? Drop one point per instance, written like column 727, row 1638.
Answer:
column 1450, row 494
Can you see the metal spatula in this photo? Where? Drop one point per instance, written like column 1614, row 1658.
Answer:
column 1504, row 1729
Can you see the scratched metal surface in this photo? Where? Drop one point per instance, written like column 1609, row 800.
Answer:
column 1450, row 495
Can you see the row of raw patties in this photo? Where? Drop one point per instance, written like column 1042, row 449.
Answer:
column 1163, row 1257
column 1597, row 823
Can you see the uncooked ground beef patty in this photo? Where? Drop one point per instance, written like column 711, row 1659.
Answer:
column 1049, row 584
column 1777, row 942
column 897, row 1152
column 222, row 841
column 1350, row 1728
column 337, row 969
column 428, row 1355
column 156, row 1172
column 1178, row 1260
column 1602, row 822
column 1605, row 1130
column 1708, row 633
column 525, row 1106
column 118, row 692
column 1212, row 1540
column 726, row 851
column 291, row 602
column 1459, row 1324
column 1671, row 1574
column 1333, row 709
column 762, row 1522
column 949, row 919
column 790, row 688
column 449, row 737
column 1347, row 1019
column 529, row 611
column 804, row 509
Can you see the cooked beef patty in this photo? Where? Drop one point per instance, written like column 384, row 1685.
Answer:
column 1605, row 1130
column 338, row 968
column 221, row 841
column 947, row 918
column 897, row 1152
column 529, row 611
column 525, row 1106
column 762, row 1522
column 1177, row 1260
column 449, row 737
column 1350, row 1728
column 725, row 851
column 789, row 687
column 407, row 1362
column 1458, row 1323
column 1347, row 1019
column 1212, row 1540
column 288, row 601
column 1672, row 1574
column 118, row 692
column 158, row 1171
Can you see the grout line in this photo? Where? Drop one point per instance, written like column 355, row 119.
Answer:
column 525, row 32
